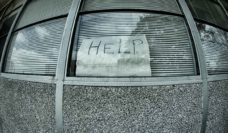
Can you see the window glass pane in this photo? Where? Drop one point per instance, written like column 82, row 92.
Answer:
column 209, row 11
column 35, row 50
column 6, row 25
column 15, row 4
column 121, row 44
column 1, row 14
column 160, row 5
column 225, row 4
column 2, row 42
column 38, row 10
column 215, row 46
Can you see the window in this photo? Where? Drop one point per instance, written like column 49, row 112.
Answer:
column 209, row 11
column 131, row 43
column 35, row 50
column 215, row 46
column 36, row 39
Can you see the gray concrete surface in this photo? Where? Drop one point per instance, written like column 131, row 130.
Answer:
column 175, row 108
column 218, row 107
column 27, row 107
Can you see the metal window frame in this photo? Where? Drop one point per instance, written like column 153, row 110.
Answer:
column 61, row 64
column 201, row 60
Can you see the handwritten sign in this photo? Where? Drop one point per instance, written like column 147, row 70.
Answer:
column 114, row 56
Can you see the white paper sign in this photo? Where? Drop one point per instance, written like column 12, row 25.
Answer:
column 114, row 56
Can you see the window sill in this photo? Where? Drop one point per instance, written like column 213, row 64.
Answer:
column 92, row 81
column 217, row 77
column 32, row 78
column 131, row 81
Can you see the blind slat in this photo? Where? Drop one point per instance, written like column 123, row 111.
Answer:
column 215, row 46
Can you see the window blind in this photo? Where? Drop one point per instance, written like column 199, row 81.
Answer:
column 35, row 50
column 215, row 46
column 167, row 36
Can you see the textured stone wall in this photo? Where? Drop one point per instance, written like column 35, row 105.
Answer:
column 218, row 107
column 26, row 107
column 30, row 107
column 175, row 108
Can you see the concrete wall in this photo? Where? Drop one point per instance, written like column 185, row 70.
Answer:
column 26, row 107
column 174, row 108
column 30, row 107
column 218, row 107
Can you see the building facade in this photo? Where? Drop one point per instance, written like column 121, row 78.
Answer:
column 114, row 66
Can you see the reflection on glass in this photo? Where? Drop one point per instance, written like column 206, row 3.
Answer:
column 215, row 46
column 160, row 5
column 6, row 25
column 2, row 42
column 210, row 11
column 35, row 50
column 225, row 4
column 169, row 46
column 4, row 29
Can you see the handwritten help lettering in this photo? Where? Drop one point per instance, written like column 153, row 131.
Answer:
column 114, row 56
column 129, row 46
